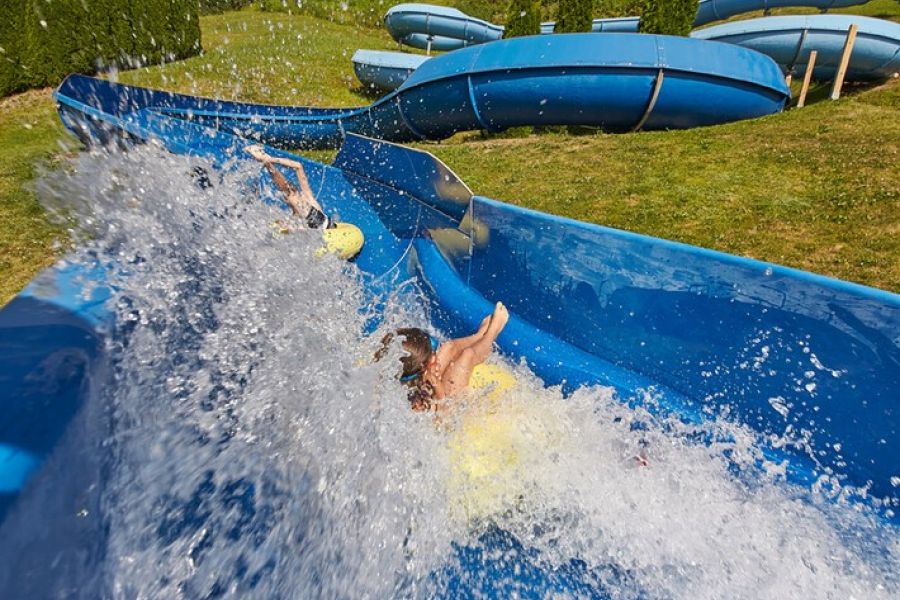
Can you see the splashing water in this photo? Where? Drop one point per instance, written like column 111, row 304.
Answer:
column 255, row 451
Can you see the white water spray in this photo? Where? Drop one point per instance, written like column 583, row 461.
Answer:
column 257, row 452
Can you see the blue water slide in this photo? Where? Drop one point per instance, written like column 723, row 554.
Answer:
column 626, row 310
column 700, row 330
column 716, row 10
column 619, row 83
column 385, row 70
column 608, row 25
column 438, row 27
column 789, row 40
column 443, row 28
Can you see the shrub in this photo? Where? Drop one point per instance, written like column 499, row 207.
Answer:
column 523, row 17
column 606, row 9
column 215, row 7
column 574, row 15
column 369, row 13
column 11, row 25
column 671, row 17
column 45, row 41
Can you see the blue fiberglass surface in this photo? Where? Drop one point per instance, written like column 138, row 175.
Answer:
column 49, row 345
column 604, row 79
column 706, row 329
column 789, row 41
column 717, row 329
column 418, row 24
column 715, row 10
column 589, row 305
column 385, row 70
column 444, row 28
column 847, row 333
column 575, row 79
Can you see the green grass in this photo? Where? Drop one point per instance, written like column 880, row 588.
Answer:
column 268, row 57
column 371, row 12
column 29, row 135
column 815, row 188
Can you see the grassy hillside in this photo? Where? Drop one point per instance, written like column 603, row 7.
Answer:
column 369, row 13
column 816, row 188
column 29, row 134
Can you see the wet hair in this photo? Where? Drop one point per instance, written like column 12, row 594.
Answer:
column 417, row 344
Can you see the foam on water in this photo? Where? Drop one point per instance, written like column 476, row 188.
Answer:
column 255, row 451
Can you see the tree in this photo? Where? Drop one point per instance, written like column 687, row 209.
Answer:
column 604, row 9
column 573, row 16
column 523, row 17
column 671, row 17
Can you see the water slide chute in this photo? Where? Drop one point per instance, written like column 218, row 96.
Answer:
column 418, row 25
column 589, row 305
column 629, row 311
column 789, row 40
column 438, row 27
column 619, row 84
column 385, row 70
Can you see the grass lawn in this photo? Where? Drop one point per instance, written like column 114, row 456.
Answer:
column 30, row 133
column 817, row 188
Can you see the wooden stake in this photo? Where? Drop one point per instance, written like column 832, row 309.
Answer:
column 806, row 78
column 845, row 60
column 788, row 79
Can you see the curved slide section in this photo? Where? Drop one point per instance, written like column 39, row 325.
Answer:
column 443, row 28
column 705, row 331
column 385, row 70
column 716, row 10
column 789, row 40
column 619, row 84
column 438, row 27
column 627, row 310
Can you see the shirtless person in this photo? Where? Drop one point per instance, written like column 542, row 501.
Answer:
column 302, row 202
column 434, row 371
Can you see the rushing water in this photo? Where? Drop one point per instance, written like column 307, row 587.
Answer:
column 253, row 449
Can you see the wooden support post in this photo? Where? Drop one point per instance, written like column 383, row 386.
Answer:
column 806, row 78
column 845, row 60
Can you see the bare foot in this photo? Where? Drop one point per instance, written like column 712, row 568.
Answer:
column 257, row 152
column 499, row 318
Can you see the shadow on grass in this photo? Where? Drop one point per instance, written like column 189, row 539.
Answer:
column 368, row 93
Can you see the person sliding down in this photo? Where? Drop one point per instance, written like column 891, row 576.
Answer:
column 302, row 202
column 434, row 371
column 343, row 239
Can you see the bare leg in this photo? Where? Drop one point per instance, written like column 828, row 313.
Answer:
column 457, row 374
column 450, row 349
